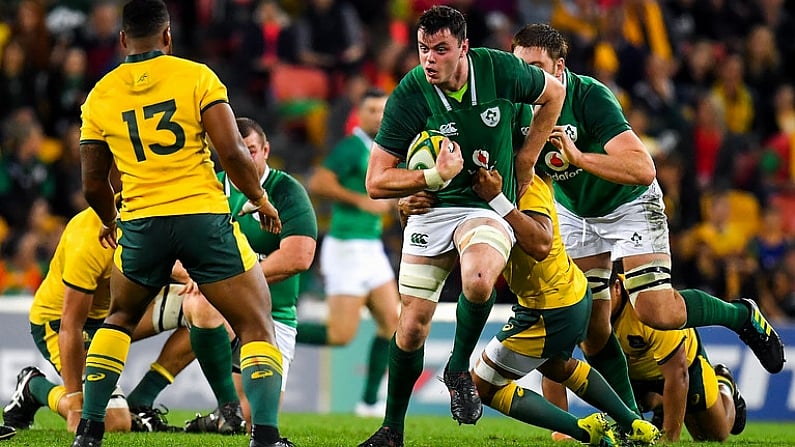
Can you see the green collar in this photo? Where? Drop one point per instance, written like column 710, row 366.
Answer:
column 143, row 56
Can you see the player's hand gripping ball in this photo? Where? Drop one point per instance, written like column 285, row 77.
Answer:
column 423, row 151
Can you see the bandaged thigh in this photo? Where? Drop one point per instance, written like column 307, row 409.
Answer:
column 655, row 275
column 167, row 309
column 599, row 282
column 421, row 281
column 485, row 234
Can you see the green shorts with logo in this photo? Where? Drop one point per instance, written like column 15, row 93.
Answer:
column 547, row 333
column 702, row 392
column 45, row 336
column 210, row 246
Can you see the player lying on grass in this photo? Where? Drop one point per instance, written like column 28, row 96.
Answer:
column 672, row 376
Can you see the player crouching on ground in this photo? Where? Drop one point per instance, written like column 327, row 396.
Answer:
column 671, row 376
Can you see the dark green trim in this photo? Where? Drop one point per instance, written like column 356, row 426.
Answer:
column 78, row 288
column 143, row 56
column 673, row 353
column 213, row 103
column 103, row 143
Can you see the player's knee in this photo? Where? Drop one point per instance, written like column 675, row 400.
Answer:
column 477, row 289
column 488, row 380
column 412, row 334
column 341, row 334
column 200, row 313
column 421, row 281
column 649, row 304
column 650, row 291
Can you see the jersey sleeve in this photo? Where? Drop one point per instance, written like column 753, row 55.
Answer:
column 524, row 82
column 90, row 130
column 295, row 209
column 84, row 263
column 663, row 344
column 602, row 114
column 405, row 116
column 537, row 199
column 210, row 89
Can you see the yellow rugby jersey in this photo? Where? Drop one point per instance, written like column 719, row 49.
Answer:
column 148, row 111
column 554, row 282
column 646, row 348
column 81, row 262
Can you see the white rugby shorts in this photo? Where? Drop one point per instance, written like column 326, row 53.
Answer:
column 638, row 227
column 354, row 266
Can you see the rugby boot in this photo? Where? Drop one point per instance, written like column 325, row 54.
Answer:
column 465, row 404
column 20, row 411
column 599, row 430
column 763, row 340
column 384, row 437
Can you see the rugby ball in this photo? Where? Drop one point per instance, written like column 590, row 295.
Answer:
column 423, row 151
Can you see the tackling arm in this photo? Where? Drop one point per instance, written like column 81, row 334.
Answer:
column 544, row 119
column 294, row 255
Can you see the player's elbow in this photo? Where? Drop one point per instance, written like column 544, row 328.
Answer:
column 537, row 248
column 374, row 188
column 647, row 174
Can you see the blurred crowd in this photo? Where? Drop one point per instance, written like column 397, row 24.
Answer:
column 707, row 84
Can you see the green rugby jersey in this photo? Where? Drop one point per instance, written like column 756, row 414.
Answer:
column 481, row 123
column 298, row 219
column 348, row 161
column 592, row 116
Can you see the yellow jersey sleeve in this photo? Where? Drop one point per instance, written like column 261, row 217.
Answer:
column 90, row 131
column 211, row 90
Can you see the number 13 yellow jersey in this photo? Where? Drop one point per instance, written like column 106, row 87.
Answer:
column 148, row 111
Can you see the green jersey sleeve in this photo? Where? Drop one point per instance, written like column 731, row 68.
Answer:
column 405, row 115
column 601, row 113
column 295, row 209
column 521, row 82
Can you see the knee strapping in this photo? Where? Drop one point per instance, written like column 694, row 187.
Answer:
column 599, row 282
column 578, row 380
column 489, row 374
column 655, row 275
column 421, row 281
column 485, row 234
column 167, row 309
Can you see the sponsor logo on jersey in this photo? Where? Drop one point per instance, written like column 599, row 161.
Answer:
column 565, row 175
column 556, row 161
column 571, row 131
column 491, row 116
column 481, row 158
column 449, row 129
column 419, row 239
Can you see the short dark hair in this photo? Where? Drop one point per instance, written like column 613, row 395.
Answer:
column 372, row 92
column 247, row 125
column 144, row 18
column 442, row 17
column 543, row 36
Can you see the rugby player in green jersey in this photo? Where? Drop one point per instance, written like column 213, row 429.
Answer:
column 468, row 94
column 610, row 207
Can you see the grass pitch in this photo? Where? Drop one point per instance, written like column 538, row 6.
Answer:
column 336, row 430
